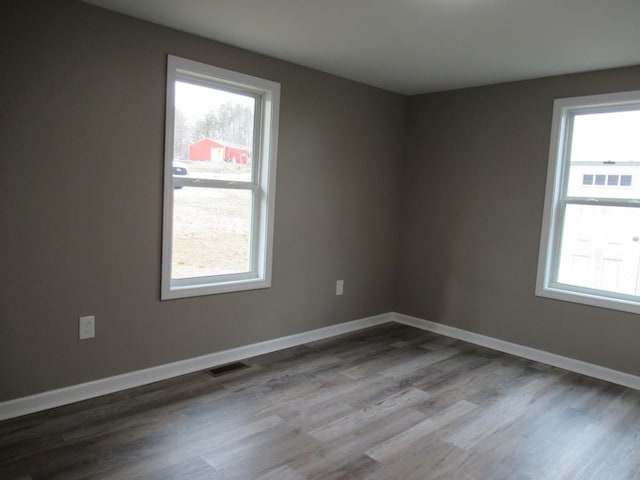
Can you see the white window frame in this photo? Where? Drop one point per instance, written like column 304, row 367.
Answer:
column 556, row 200
column 263, row 183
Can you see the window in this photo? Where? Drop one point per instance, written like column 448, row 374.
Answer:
column 590, row 247
column 611, row 180
column 219, row 186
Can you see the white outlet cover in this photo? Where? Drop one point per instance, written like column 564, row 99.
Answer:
column 339, row 287
column 87, row 327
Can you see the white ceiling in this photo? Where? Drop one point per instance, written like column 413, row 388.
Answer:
column 415, row 46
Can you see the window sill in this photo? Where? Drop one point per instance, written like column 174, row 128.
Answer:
column 185, row 291
column 591, row 299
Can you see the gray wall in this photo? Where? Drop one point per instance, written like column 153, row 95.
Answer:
column 81, row 152
column 81, row 144
column 472, row 199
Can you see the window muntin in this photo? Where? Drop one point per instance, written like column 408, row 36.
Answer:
column 589, row 251
column 221, row 128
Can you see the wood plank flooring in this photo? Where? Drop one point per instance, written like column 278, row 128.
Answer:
column 390, row 403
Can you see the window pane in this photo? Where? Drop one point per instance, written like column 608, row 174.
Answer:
column 604, row 144
column 213, row 132
column 625, row 180
column 601, row 248
column 211, row 232
column 587, row 179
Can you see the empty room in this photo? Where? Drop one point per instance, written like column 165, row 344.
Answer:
column 295, row 239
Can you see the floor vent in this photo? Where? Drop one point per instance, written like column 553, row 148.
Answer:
column 228, row 368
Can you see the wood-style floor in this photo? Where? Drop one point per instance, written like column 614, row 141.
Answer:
column 390, row 402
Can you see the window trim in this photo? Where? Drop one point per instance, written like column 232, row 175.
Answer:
column 263, row 183
column 556, row 185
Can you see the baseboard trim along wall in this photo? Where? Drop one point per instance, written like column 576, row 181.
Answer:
column 84, row 391
column 566, row 363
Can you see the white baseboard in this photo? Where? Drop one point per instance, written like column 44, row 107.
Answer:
column 566, row 363
column 84, row 391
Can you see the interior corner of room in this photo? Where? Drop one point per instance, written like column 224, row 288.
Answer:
column 418, row 208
